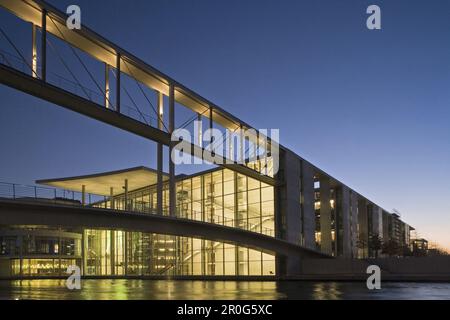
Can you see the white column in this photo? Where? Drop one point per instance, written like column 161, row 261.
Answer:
column 160, row 111
column 111, row 198
column 159, row 185
column 83, row 195
column 172, row 186
column 126, row 194
column 107, row 89
column 34, row 70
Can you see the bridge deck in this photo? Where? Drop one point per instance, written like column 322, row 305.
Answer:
column 13, row 212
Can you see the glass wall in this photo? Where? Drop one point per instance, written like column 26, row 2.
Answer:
column 219, row 196
column 228, row 198
column 33, row 251
column 136, row 253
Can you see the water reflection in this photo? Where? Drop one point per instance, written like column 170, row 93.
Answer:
column 119, row 289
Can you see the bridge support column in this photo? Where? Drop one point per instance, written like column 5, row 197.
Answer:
column 211, row 123
column 159, row 165
column 113, row 252
column 230, row 145
column 126, row 194
column 111, row 198
column 83, row 195
column 118, row 83
column 199, row 131
column 293, row 266
column 34, row 68
column 241, row 145
column 107, row 86
column 288, row 265
column 44, row 46
column 172, row 186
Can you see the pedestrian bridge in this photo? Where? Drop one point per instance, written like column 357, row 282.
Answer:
column 23, row 212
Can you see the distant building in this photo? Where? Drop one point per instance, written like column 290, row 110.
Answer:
column 419, row 247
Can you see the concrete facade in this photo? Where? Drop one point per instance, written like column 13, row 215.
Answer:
column 354, row 223
column 363, row 229
column 325, row 216
column 344, row 211
column 307, row 196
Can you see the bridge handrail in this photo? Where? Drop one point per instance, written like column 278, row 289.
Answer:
column 16, row 62
column 27, row 193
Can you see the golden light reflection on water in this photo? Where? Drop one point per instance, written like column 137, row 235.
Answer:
column 327, row 291
column 121, row 289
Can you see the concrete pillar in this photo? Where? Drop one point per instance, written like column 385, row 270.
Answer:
column 363, row 237
column 34, row 68
column 126, row 194
column 199, row 131
column 354, row 223
column 291, row 198
column 344, row 210
column 264, row 162
column 172, row 186
column 107, row 90
column 83, row 195
column 255, row 151
column 325, row 215
column 118, row 85
column 160, row 110
column 377, row 224
column 230, row 145
column 83, row 255
column 241, row 145
column 113, row 252
column 44, row 46
column 307, row 198
column 385, row 226
column 211, row 122
column 159, row 155
column 111, row 198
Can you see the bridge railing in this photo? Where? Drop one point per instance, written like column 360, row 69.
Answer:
column 47, row 195
column 71, row 86
column 27, row 193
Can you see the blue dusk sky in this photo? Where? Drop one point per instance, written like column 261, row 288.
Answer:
column 371, row 108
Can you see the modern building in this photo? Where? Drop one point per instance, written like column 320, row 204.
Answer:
column 257, row 217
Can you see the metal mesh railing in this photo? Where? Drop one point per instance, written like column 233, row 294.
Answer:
column 26, row 193
column 59, row 81
column 46, row 195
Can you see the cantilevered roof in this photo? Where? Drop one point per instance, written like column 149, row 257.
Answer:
column 101, row 183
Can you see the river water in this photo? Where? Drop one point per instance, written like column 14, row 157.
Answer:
column 119, row 289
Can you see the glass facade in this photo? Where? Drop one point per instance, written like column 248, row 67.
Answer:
column 116, row 253
column 38, row 251
column 220, row 196
column 136, row 253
